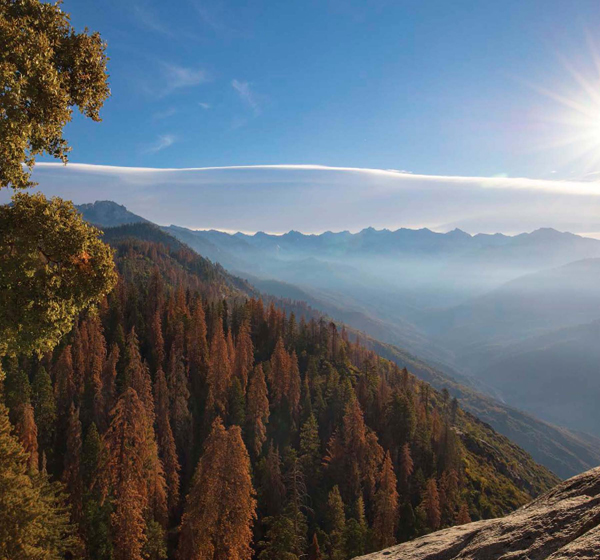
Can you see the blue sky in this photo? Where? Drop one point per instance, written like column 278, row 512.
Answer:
column 432, row 87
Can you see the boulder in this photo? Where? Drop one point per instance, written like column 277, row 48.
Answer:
column 562, row 524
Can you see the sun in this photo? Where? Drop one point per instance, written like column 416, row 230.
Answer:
column 574, row 125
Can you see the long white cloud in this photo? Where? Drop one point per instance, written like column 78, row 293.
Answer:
column 315, row 198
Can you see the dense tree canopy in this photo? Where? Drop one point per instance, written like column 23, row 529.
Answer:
column 279, row 439
column 52, row 266
column 46, row 69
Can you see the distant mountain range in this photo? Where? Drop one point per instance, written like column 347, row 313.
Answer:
column 516, row 314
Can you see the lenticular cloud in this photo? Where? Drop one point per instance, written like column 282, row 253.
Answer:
column 313, row 198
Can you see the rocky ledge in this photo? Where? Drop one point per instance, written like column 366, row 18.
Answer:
column 563, row 524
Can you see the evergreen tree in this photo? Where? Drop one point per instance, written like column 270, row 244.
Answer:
column 356, row 533
column 272, row 488
column 44, row 407
column 72, row 476
column 166, row 442
column 296, row 505
column 133, row 479
column 95, row 524
column 219, row 374
column 220, row 508
column 280, row 540
column 314, row 551
column 431, row 505
column 257, row 415
column 279, row 374
column 406, row 465
column 310, row 452
column 336, row 521
column 27, row 432
column 34, row 519
column 386, row 506
column 181, row 418
column 463, row 517
column 244, row 354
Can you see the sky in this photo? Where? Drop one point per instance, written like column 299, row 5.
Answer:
column 313, row 199
column 468, row 88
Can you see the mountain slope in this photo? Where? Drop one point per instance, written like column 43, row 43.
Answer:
column 491, row 457
column 563, row 524
column 564, row 452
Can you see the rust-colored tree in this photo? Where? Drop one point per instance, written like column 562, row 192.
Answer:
column 131, row 475
column 220, row 507
column 431, row 505
column 219, row 373
column 166, row 442
column 257, row 413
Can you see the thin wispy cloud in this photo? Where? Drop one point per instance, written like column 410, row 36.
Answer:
column 161, row 115
column 162, row 142
column 205, row 106
column 246, row 94
column 282, row 197
column 222, row 21
column 175, row 77
column 150, row 21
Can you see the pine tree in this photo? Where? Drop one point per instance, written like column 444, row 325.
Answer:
column 296, row 504
column 219, row 374
column 336, row 521
column 279, row 374
column 95, row 524
column 386, row 506
column 272, row 489
column 406, row 465
column 181, row 418
column 166, row 441
column 294, row 389
column 133, row 479
column 355, row 536
column 27, row 432
column 236, row 406
column 72, row 476
column 463, row 517
column 280, row 540
column 431, row 505
column 220, row 507
column 137, row 375
column 314, row 551
column 244, row 354
column 157, row 342
column 109, row 384
column 257, row 413
column 448, row 495
column 94, row 410
column 44, row 408
column 310, row 451
column 34, row 520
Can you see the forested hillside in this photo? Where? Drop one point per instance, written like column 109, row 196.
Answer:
column 188, row 419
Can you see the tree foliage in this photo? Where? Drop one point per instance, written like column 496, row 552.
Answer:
column 46, row 69
column 52, row 266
